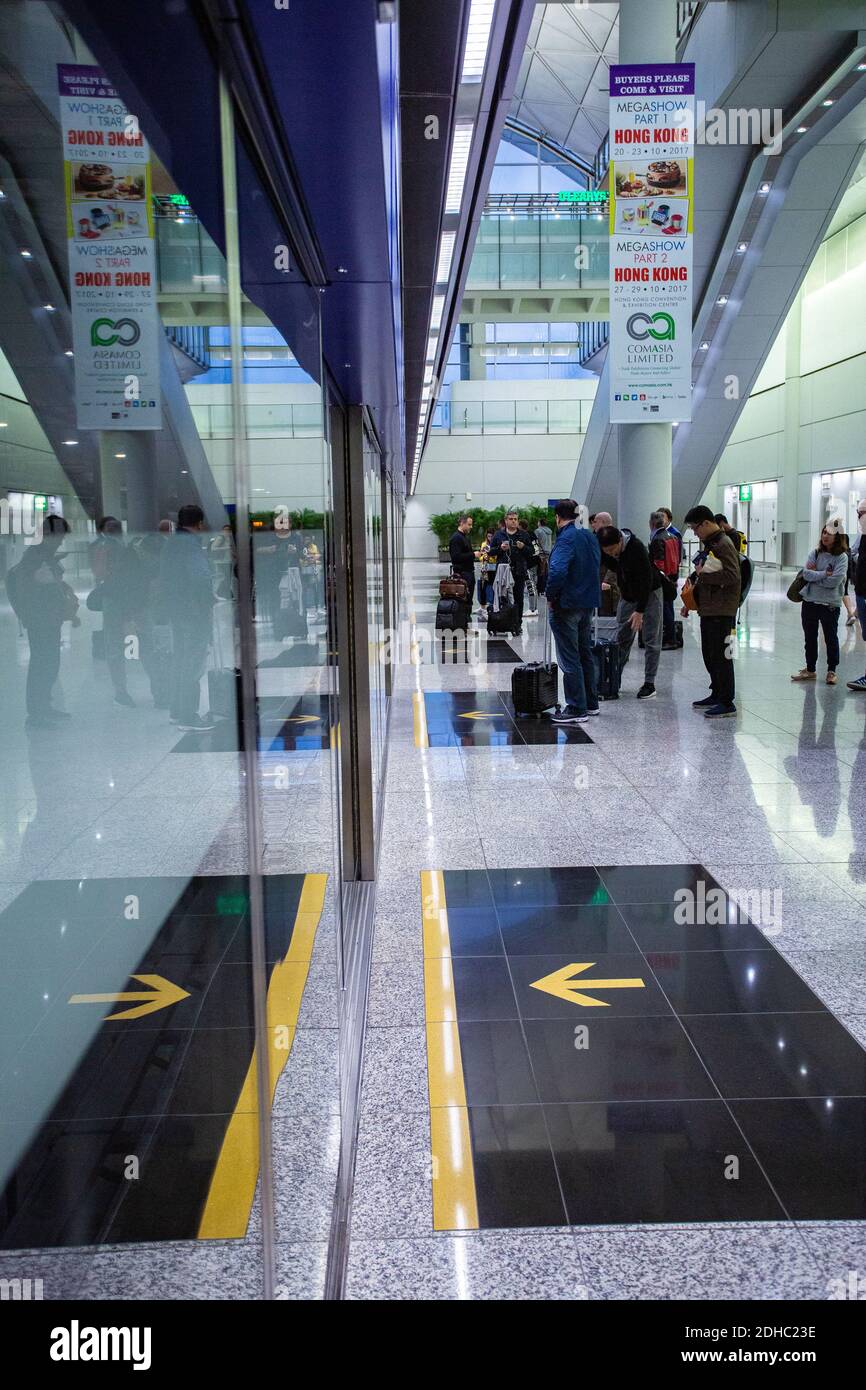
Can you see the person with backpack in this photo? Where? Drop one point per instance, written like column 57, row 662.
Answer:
column 42, row 601
column 665, row 552
column 717, row 587
column 824, row 573
column 640, row 607
column 573, row 594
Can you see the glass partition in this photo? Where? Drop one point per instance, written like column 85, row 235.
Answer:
column 169, row 711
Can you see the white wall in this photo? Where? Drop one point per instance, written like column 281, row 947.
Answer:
column 807, row 413
column 497, row 469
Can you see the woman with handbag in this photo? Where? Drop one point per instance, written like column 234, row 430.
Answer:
column 823, row 582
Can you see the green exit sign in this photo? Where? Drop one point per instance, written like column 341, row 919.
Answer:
column 583, row 195
column 40, row 503
column 745, row 492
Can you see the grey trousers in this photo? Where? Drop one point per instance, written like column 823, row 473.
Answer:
column 652, row 633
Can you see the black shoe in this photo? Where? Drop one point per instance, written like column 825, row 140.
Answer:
column 720, row 712
column 646, row 692
column 568, row 716
column 198, row 725
column 705, row 703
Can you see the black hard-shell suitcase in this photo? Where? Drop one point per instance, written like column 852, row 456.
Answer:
column 608, row 669
column 503, row 621
column 535, row 685
column 451, row 615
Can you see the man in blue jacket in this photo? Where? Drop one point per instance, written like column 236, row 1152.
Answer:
column 573, row 594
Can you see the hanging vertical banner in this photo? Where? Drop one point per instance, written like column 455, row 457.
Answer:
column 652, row 132
column 112, row 255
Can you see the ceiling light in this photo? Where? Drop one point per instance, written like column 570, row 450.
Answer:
column 861, row 67
column 765, row 188
column 742, row 246
column 69, row 353
column 457, row 165
column 49, row 308
column 705, row 347
column 828, row 102
column 722, row 299
column 4, row 424
column 436, row 314
column 446, row 252
column 120, row 456
column 477, row 40
column 70, row 441
column 801, row 129
column 28, row 255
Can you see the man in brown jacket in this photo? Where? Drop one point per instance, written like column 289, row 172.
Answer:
column 717, row 594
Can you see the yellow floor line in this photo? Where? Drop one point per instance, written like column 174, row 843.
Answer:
column 230, row 1197
column 455, row 1204
column 419, row 717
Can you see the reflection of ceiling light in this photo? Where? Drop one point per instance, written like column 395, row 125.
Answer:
column 722, row 299
column 120, row 456
column 446, row 251
column 765, row 188
column 861, row 67
column 457, row 165
column 829, row 101
column 49, row 308
column 742, row 246
column 28, row 255
column 69, row 353
column 705, row 347
column 801, row 129
column 477, row 40
column 70, row 442
column 4, row 424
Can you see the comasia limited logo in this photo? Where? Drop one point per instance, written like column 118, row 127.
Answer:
column 642, row 326
column 77, row 1343
column 108, row 332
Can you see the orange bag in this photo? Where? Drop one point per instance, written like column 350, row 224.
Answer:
column 687, row 594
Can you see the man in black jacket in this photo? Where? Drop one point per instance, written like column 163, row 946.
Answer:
column 640, row 607
column 462, row 554
column 514, row 545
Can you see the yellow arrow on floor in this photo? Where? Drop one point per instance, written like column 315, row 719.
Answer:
column 159, row 995
column 304, row 719
column 564, row 986
column 482, row 714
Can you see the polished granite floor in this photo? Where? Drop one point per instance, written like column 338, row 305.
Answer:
column 748, row 1038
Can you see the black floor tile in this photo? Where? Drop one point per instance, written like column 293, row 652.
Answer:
column 731, row 982
column 656, row 929
column 617, row 1002
column 196, row 938
column 780, row 1055
column 496, row 1068
column 467, row 888
column 616, row 1059
column 654, row 883
column 474, row 931
column 483, row 989
column 72, row 1185
column 660, row 1161
column 541, row 931
column 541, row 732
column 814, row 1153
column 515, row 1177
column 546, row 887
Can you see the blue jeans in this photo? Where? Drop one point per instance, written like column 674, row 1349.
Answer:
column 572, row 633
column 861, row 613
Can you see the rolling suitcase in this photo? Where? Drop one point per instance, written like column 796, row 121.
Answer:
column 451, row 615
column 608, row 667
column 502, row 622
column 535, row 685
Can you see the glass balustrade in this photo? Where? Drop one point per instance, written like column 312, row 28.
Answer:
column 541, row 251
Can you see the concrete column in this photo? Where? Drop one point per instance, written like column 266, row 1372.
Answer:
column 136, row 470
column 477, row 360
column 647, row 34
column 790, row 462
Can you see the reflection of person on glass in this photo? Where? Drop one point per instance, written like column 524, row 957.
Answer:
column 188, row 589
column 116, row 568
column 42, row 602
column 290, row 618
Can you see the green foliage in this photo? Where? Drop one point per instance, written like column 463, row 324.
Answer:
column 444, row 524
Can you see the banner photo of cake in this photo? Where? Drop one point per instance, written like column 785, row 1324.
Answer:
column 668, row 176
column 124, row 182
column 658, row 216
